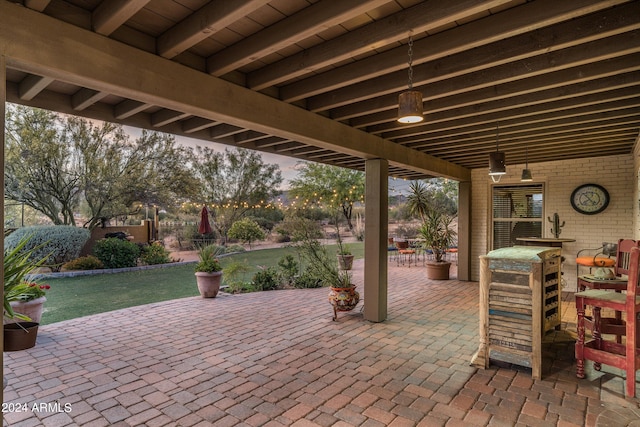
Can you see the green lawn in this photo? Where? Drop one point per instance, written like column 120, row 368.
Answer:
column 72, row 297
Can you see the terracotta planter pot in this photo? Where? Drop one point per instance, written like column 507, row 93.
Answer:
column 438, row 270
column 20, row 335
column 33, row 309
column 208, row 283
column 345, row 262
column 343, row 299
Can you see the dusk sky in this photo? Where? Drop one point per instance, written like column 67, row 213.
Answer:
column 287, row 164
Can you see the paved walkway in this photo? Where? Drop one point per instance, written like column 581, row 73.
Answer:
column 277, row 359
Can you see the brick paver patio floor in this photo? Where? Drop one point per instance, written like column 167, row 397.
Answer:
column 277, row 359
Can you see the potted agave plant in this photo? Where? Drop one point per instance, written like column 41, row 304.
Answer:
column 438, row 236
column 209, row 271
column 435, row 230
column 20, row 322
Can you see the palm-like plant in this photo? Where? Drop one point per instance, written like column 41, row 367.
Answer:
column 437, row 233
column 17, row 265
column 419, row 200
column 436, row 224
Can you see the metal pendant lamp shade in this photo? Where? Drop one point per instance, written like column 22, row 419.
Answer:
column 410, row 107
column 497, row 166
column 526, row 172
column 410, row 101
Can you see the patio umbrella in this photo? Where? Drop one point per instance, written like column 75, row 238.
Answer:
column 204, row 227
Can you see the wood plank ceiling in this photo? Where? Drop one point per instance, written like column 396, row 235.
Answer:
column 558, row 77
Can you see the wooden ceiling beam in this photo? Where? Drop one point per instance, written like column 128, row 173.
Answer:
column 555, row 43
column 128, row 108
column 566, row 107
column 553, row 152
column 224, row 130
column 97, row 63
column 32, row 85
column 38, row 5
column 205, row 22
column 367, row 38
column 164, row 117
column 530, row 91
column 305, row 23
column 543, row 120
column 110, row 15
column 567, row 59
column 195, row 124
column 84, row 98
column 486, row 140
column 508, row 23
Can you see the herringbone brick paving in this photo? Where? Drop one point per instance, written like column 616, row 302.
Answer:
column 277, row 359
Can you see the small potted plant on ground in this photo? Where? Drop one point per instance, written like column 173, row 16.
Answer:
column 209, row 271
column 21, row 334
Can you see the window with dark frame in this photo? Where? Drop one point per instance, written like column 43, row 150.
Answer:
column 517, row 211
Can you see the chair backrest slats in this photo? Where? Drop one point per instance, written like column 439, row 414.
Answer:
column 623, row 258
column 634, row 267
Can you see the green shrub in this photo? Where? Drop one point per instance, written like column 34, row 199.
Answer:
column 88, row 262
column 155, row 254
column 117, row 253
column 246, row 230
column 57, row 243
column 241, row 287
column 234, row 248
column 266, row 279
column 288, row 268
column 306, row 281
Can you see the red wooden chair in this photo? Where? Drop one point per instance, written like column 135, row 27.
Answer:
column 614, row 325
column 622, row 356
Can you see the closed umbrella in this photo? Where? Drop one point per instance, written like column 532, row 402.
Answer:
column 204, row 227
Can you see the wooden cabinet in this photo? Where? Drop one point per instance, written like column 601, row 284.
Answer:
column 520, row 300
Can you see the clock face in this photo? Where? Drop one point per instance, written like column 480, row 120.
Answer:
column 590, row 199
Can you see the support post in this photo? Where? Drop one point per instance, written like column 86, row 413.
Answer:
column 3, row 97
column 464, row 230
column 375, row 239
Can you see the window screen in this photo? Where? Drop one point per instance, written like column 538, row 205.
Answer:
column 517, row 212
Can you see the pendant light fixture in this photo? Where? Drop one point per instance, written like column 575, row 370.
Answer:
column 497, row 166
column 526, row 172
column 410, row 101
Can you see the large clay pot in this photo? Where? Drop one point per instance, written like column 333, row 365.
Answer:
column 438, row 270
column 32, row 309
column 208, row 283
column 20, row 336
column 345, row 261
column 343, row 299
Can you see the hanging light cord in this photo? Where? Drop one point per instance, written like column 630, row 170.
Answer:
column 526, row 157
column 497, row 137
column 410, row 62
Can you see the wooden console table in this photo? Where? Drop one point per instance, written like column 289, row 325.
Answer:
column 520, row 300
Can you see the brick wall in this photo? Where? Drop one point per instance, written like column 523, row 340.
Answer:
column 618, row 174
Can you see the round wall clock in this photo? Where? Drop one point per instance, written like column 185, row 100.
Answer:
column 590, row 199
